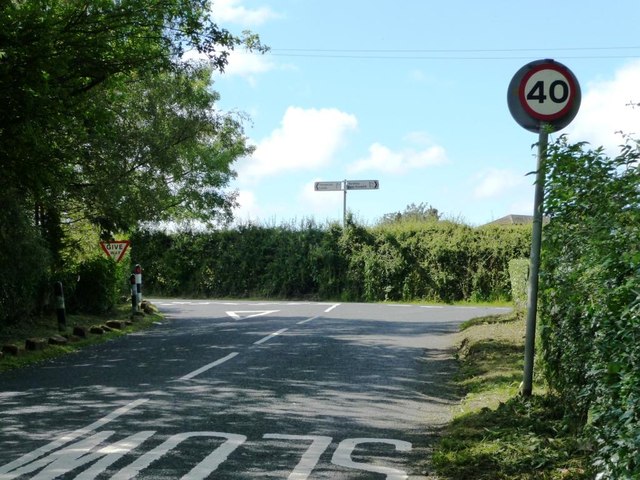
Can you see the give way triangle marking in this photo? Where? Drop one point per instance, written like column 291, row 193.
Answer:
column 240, row 314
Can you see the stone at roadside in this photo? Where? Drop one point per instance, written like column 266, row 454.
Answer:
column 11, row 349
column 81, row 331
column 35, row 344
column 114, row 324
column 148, row 308
column 96, row 330
column 58, row 340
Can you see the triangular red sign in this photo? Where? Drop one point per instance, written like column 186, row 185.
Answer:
column 115, row 249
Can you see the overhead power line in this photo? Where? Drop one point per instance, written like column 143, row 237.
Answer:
column 458, row 54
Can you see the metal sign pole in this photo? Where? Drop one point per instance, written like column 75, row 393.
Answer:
column 344, row 205
column 534, row 263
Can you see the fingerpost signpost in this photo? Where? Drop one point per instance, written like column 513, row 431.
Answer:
column 543, row 97
column 344, row 186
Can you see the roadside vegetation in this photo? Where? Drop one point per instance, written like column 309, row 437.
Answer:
column 46, row 327
column 584, row 421
column 427, row 260
column 496, row 434
column 106, row 124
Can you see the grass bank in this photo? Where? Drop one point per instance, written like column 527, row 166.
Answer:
column 497, row 434
column 46, row 326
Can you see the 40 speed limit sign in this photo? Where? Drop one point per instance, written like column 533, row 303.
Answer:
column 544, row 92
column 543, row 97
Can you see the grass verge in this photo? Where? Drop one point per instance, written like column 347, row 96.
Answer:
column 497, row 434
column 46, row 326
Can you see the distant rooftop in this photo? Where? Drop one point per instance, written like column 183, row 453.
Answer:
column 513, row 220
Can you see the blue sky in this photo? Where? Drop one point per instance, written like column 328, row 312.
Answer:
column 413, row 93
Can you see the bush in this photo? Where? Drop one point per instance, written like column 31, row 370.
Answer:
column 22, row 283
column 590, row 292
column 519, row 275
column 98, row 286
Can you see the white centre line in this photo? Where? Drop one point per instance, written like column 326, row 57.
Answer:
column 331, row 307
column 197, row 372
column 302, row 322
column 270, row 336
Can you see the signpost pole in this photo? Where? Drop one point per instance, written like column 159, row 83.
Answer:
column 534, row 263
column 344, row 205
column 345, row 185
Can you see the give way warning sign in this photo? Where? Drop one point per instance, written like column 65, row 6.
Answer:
column 115, row 248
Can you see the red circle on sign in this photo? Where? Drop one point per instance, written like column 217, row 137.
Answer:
column 566, row 77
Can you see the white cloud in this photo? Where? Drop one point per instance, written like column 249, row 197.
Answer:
column 247, row 64
column 230, row 11
column 241, row 63
column 321, row 204
column 383, row 159
column 248, row 207
column 306, row 139
column 494, row 183
column 307, row 203
column 521, row 207
column 605, row 109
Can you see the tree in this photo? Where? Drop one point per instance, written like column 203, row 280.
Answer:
column 104, row 122
column 417, row 213
column 161, row 153
column 102, row 117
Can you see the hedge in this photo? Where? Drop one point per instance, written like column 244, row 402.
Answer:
column 519, row 275
column 590, row 292
column 434, row 261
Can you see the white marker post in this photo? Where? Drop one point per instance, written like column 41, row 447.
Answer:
column 543, row 97
column 344, row 186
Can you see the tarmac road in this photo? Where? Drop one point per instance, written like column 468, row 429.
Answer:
column 241, row 390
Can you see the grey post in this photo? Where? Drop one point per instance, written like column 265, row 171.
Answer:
column 134, row 294
column 60, row 308
column 344, row 205
column 534, row 262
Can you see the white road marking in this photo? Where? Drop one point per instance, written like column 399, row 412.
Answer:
column 64, row 460
column 97, row 454
column 332, row 307
column 310, row 458
column 342, row 456
column 252, row 313
column 78, row 454
column 270, row 336
column 302, row 322
column 67, row 438
column 197, row 372
column 200, row 471
column 113, row 453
